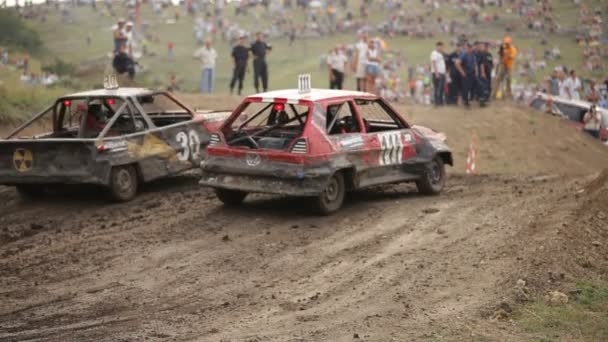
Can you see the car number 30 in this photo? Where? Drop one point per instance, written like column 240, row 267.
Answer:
column 190, row 145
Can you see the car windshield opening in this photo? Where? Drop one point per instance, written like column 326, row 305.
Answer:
column 267, row 125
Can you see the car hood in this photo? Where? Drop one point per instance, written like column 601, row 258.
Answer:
column 430, row 133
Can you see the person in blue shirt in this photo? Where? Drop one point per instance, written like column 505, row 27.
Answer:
column 468, row 69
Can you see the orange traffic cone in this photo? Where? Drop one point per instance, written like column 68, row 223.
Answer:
column 471, row 167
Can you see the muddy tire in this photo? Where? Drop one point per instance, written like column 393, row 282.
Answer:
column 332, row 197
column 31, row 191
column 230, row 197
column 432, row 180
column 123, row 183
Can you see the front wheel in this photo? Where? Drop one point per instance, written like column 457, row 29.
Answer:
column 123, row 183
column 332, row 197
column 432, row 180
column 230, row 197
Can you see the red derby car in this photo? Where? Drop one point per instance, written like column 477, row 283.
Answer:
column 320, row 143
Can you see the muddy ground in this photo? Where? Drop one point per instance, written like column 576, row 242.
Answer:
column 174, row 264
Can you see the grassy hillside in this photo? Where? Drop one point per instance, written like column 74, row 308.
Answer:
column 68, row 41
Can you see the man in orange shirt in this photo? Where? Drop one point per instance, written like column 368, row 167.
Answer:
column 507, row 52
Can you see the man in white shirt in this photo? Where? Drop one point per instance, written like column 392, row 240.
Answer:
column 572, row 86
column 438, row 71
column 360, row 61
column 336, row 61
column 207, row 56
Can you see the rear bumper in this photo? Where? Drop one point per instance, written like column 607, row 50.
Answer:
column 269, row 185
column 271, row 178
column 101, row 177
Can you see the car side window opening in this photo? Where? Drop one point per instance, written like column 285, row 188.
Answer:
column 341, row 119
column 267, row 125
column 163, row 110
column 377, row 116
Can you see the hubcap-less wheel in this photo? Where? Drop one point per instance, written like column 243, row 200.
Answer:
column 123, row 181
column 331, row 198
column 331, row 192
column 435, row 173
column 433, row 179
column 123, row 185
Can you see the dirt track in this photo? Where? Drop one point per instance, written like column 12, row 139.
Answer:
column 391, row 266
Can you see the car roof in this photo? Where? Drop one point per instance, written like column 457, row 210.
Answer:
column 294, row 95
column 120, row 92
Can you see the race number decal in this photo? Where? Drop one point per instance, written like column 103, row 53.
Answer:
column 195, row 144
column 391, row 148
column 190, row 145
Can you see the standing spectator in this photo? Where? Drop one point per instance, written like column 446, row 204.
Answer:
column 572, row 85
column 467, row 66
column 129, row 34
column 336, row 62
column 592, row 94
column 372, row 67
column 507, row 54
column 170, row 51
column 207, row 56
column 486, row 65
column 260, row 69
column 554, row 83
column 438, row 70
column 123, row 63
column 592, row 121
column 240, row 55
column 120, row 38
column 361, row 61
column 454, row 82
column 26, row 62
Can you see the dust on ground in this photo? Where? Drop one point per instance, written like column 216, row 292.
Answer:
column 391, row 266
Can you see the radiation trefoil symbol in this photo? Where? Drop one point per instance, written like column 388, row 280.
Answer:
column 23, row 159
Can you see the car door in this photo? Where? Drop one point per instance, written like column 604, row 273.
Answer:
column 344, row 130
column 389, row 143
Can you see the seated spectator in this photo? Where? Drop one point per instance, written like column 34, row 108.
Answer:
column 592, row 121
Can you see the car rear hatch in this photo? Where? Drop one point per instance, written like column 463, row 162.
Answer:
column 47, row 161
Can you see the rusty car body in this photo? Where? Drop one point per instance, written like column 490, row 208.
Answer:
column 320, row 143
column 116, row 138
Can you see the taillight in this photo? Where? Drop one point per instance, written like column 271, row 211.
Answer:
column 214, row 139
column 300, row 147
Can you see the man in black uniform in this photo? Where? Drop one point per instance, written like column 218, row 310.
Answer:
column 240, row 55
column 123, row 63
column 455, row 82
column 260, row 68
column 486, row 65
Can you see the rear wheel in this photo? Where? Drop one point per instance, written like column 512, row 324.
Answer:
column 332, row 197
column 230, row 197
column 123, row 183
column 432, row 180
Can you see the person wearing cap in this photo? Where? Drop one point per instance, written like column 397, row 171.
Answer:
column 507, row 53
column 240, row 55
column 120, row 38
column 207, row 55
column 438, row 70
column 259, row 48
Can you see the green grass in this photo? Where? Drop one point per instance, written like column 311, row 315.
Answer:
column 68, row 42
column 584, row 318
column 285, row 62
